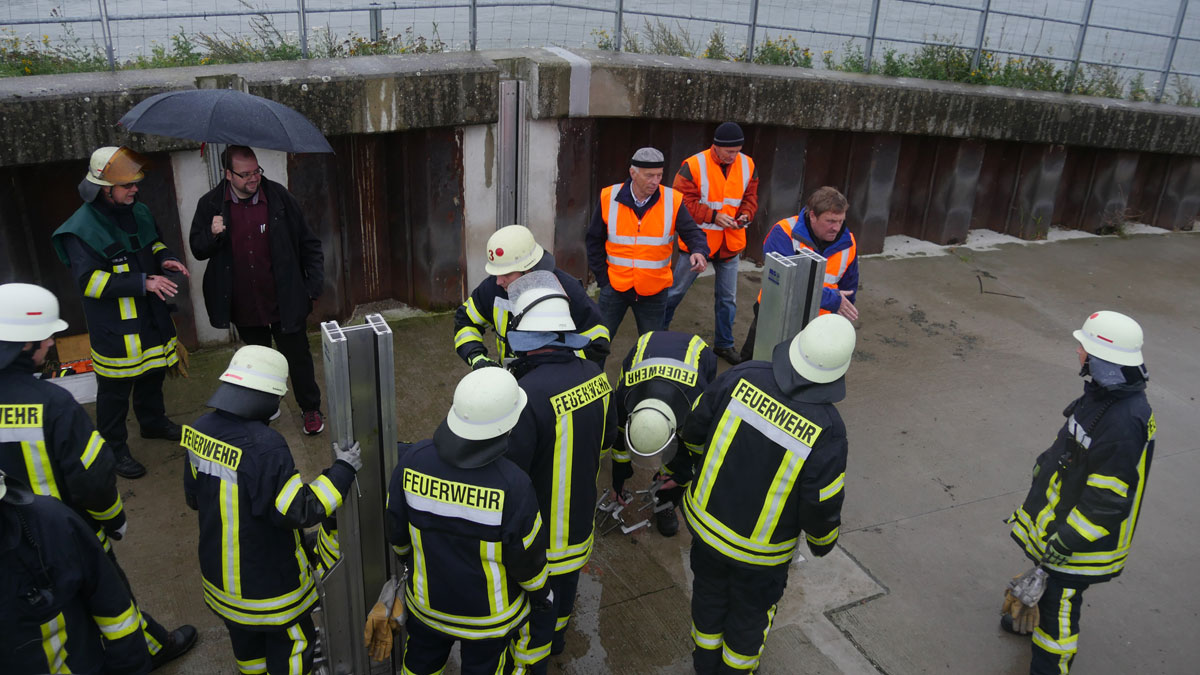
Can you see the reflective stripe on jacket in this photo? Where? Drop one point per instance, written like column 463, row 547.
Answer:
column 770, row 466
column 476, row 541
column 721, row 193
column 1093, row 502
column 639, row 250
column 252, row 506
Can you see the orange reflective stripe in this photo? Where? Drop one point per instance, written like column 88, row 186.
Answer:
column 639, row 251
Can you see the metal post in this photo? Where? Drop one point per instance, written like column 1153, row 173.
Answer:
column 983, row 18
column 619, row 20
column 474, row 24
column 791, row 297
column 1087, row 17
column 750, row 36
column 376, row 23
column 303, row 28
column 506, row 191
column 106, row 29
column 871, row 40
column 1162, row 81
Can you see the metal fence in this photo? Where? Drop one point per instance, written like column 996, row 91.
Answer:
column 1158, row 38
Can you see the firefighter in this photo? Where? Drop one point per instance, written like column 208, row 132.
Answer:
column 48, row 443
column 63, row 606
column 119, row 262
column 767, row 461
column 513, row 252
column 252, row 505
column 557, row 441
column 661, row 377
column 466, row 520
column 1078, row 520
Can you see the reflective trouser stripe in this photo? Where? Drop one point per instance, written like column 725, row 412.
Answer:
column 299, row 644
column 253, row 666
column 1056, row 638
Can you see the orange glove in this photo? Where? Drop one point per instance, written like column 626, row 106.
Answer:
column 377, row 634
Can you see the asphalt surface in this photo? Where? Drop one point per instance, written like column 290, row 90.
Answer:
column 963, row 366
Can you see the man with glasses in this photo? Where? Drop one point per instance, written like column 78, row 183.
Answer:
column 265, row 268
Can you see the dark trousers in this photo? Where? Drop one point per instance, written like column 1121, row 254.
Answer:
column 748, row 346
column 427, row 649
column 547, row 631
column 153, row 632
column 280, row 651
column 112, row 405
column 1056, row 638
column 294, row 347
column 732, row 610
column 649, row 311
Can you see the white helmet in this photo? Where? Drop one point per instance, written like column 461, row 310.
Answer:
column 487, row 404
column 1112, row 336
column 28, row 313
column 539, row 303
column 821, row 352
column 258, row 368
column 113, row 165
column 650, row 427
column 512, row 249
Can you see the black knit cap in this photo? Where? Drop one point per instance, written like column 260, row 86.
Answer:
column 728, row 135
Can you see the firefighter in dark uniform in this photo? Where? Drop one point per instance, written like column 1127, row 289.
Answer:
column 558, row 442
column 118, row 260
column 467, row 523
column 48, row 443
column 512, row 252
column 767, row 461
column 1078, row 519
column 252, row 505
column 63, row 606
column 661, row 377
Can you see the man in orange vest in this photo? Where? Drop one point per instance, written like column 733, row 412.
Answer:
column 720, row 191
column 630, row 240
column 821, row 227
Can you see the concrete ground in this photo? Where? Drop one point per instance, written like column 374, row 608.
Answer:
column 963, row 366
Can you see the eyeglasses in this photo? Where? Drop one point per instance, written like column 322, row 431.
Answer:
column 248, row 174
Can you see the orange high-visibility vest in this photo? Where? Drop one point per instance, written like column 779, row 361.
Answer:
column 835, row 265
column 721, row 193
column 639, row 251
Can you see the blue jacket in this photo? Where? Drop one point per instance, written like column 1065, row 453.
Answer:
column 788, row 243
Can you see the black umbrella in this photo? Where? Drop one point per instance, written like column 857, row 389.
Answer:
column 225, row 116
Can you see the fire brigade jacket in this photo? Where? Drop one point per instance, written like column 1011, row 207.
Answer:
column 708, row 190
column 1088, row 486
column 130, row 330
column 48, row 442
column 841, row 255
column 253, row 504
column 476, row 541
column 772, row 462
column 489, row 306
column 629, row 246
column 680, row 359
column 557, row 441
column 68, row 612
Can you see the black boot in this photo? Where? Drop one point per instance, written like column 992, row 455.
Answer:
column 169, row 431
column 126, row 466
column 667, row 522
column 178, row 642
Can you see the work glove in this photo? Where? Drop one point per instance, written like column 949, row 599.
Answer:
column 351, row 455
column 1021, row 600
column 482, row 361
column 544, row 604
column 180, row 369
column 673, row 495
column 1056, row 552
column 377, row 634
column 621, row 472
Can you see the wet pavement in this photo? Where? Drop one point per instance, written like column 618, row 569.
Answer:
column 963, row 366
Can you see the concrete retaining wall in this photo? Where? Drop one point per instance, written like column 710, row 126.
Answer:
column 406, row 204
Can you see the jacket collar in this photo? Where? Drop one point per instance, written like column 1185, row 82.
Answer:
column 803, row 234
column 625, row 196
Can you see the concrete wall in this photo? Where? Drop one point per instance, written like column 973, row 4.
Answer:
column 405, row 205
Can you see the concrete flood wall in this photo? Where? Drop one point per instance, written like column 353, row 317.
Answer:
column 405, row 205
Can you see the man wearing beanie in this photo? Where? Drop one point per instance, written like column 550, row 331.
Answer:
column 630, row 240
column 720, row 191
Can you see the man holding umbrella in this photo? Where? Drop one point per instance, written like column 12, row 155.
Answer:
column 259, row 243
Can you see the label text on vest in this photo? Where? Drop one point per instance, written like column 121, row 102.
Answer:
column 207, row 447
column 778, row 415
column 681, row 375
column 21, row 416
column 574, row 399
column 450, row 492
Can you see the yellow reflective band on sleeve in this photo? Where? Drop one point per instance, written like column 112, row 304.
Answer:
column 208, row 448
column 834, row 487
column 109, row 513
column 574, row 399
column 287, row 494
column 92, row 450
column 157, row 246
column 21, row 416
column 116, row 627
column 467, row 334
column 706, row 640
column 1109, row 483
column 696, row 346
column 231, row 546
column 328, row 495
column 528, row 539
column 823, row 541
column 420, row 576
column 1086, row 528
column 597, row 332
column 96, row 283
column 54, row 644
column 473, row 313
column 493, row 571
column 538, row 579
column 640, row 353
column 402, row 550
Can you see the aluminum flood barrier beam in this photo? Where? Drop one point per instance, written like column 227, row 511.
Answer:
column 791, row 297
column 361, row 390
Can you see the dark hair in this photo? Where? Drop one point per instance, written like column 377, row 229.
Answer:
column 239, row 150
column 826, row 199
